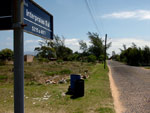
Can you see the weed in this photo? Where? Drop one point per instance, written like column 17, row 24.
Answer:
column 65, row 71
column 28, row 76
column 2, row 77
column 51, row 73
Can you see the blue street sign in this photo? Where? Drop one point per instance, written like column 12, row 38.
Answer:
column 6, row 15
column 39, row 22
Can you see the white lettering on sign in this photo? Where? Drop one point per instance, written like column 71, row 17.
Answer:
column 37, row 30
column 37, row 19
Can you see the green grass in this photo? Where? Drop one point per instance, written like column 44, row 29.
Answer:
column 147, row 67
column 62, row 72
column 43, row 98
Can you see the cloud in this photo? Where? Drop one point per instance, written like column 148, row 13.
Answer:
column 74, row 44
column 117, row 43
column 137, row 14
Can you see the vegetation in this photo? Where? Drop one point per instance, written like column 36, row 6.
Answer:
column 5, row 55
column 96, row 49
column 56, row 49
column 50, row 98
column 134, row 55
column 44, row 86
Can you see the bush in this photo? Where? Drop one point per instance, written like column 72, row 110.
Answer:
column 6, row 54
column 91, row 58
column 43, row 60
column 59, row 61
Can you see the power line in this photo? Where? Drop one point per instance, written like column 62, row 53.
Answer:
column 94, row 10
column 88, row 7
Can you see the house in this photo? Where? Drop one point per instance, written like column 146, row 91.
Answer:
column 28, row 58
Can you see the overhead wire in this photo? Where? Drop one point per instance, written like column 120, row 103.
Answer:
column 93, row 7
column 93, row 19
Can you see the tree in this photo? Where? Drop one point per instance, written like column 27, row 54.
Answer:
column 6, row 54
column 135, row 55
column 83, row 46
column 54, row 49
column 97, row 47
column 45, row 51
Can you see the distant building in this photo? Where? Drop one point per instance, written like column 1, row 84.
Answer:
column 28, row 58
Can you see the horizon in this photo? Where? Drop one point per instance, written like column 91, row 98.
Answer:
column 124, row 22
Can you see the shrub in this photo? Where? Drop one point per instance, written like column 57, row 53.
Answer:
column 6, row 54
column 59, row 61
column 43, row 60
column 91, row 58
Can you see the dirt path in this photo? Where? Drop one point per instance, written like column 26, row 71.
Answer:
column 115, row 94
column 133, row 85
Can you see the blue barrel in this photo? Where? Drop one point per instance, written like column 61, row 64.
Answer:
column 74, row 78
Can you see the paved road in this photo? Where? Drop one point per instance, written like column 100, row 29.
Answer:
column 133, row 84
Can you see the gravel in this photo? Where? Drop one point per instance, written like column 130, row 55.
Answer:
column 133, row 84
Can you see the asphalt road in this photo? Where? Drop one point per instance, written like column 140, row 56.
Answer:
column 133, row 84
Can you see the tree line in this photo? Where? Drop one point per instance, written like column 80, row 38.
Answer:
column 50, row 49
column 135, row 56
column 56, row 49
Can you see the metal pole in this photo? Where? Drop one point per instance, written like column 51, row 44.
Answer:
column 18, row 57
column 105, row 51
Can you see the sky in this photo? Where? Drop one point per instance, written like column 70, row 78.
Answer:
column 124, row 21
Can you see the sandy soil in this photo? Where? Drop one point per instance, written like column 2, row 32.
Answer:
column 115, row 94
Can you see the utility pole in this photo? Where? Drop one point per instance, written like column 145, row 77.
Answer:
column 105, row 54
column 18, row 56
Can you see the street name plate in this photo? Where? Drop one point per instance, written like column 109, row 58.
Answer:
column 39, row 22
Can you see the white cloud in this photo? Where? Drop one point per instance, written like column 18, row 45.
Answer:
column 117, row 43
column 74, row 44
column 137, row 14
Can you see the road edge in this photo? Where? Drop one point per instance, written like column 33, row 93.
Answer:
column 115, row 94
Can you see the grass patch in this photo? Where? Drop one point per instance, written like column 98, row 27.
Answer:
column 52, row 99
column 105, row 110
column 65, row 71
column 62, row 72
column 2, row 77
column 147, row 67
column 51, row 73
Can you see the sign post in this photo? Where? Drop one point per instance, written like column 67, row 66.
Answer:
column 18, row 57
column 20, row 16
